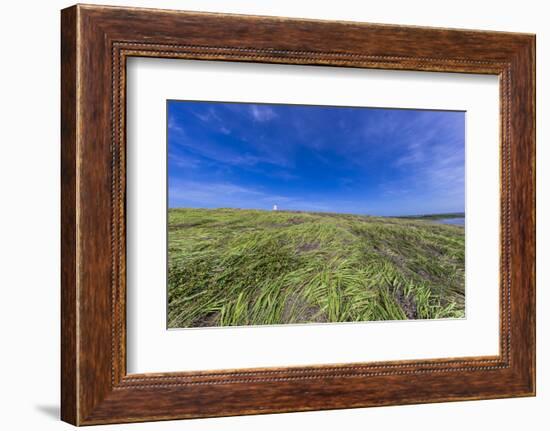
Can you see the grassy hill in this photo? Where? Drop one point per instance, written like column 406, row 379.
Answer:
column 251, row 267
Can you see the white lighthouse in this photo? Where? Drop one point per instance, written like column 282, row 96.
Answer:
column 275, row 207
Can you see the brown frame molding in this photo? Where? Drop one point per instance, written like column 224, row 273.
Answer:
column 95, row 43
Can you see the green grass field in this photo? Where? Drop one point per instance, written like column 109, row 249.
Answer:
column 250, row 267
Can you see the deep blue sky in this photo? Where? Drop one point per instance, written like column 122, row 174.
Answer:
column 315, row 158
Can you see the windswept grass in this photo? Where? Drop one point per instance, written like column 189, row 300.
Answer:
column 250, row 267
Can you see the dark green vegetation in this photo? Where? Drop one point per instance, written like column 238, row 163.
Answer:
column 250, row 267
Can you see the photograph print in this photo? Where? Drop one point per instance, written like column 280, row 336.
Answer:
column 298, row 214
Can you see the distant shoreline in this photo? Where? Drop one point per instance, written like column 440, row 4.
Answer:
column 435, row 216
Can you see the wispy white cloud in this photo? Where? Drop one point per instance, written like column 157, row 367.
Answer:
column 262, row 113
column 219, row 194
column 283, row 175
column 206, row 117
column 183, row 161
column 174, row 126
column 225, row 155
column 225, row 194
column 213, row 119
column 415, row 154
column 432, row 175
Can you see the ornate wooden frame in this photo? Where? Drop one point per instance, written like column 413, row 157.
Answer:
column 96, row 41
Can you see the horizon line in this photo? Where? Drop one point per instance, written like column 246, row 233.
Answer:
column 463, row 213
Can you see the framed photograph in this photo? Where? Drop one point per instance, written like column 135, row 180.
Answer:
column 265, row 215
